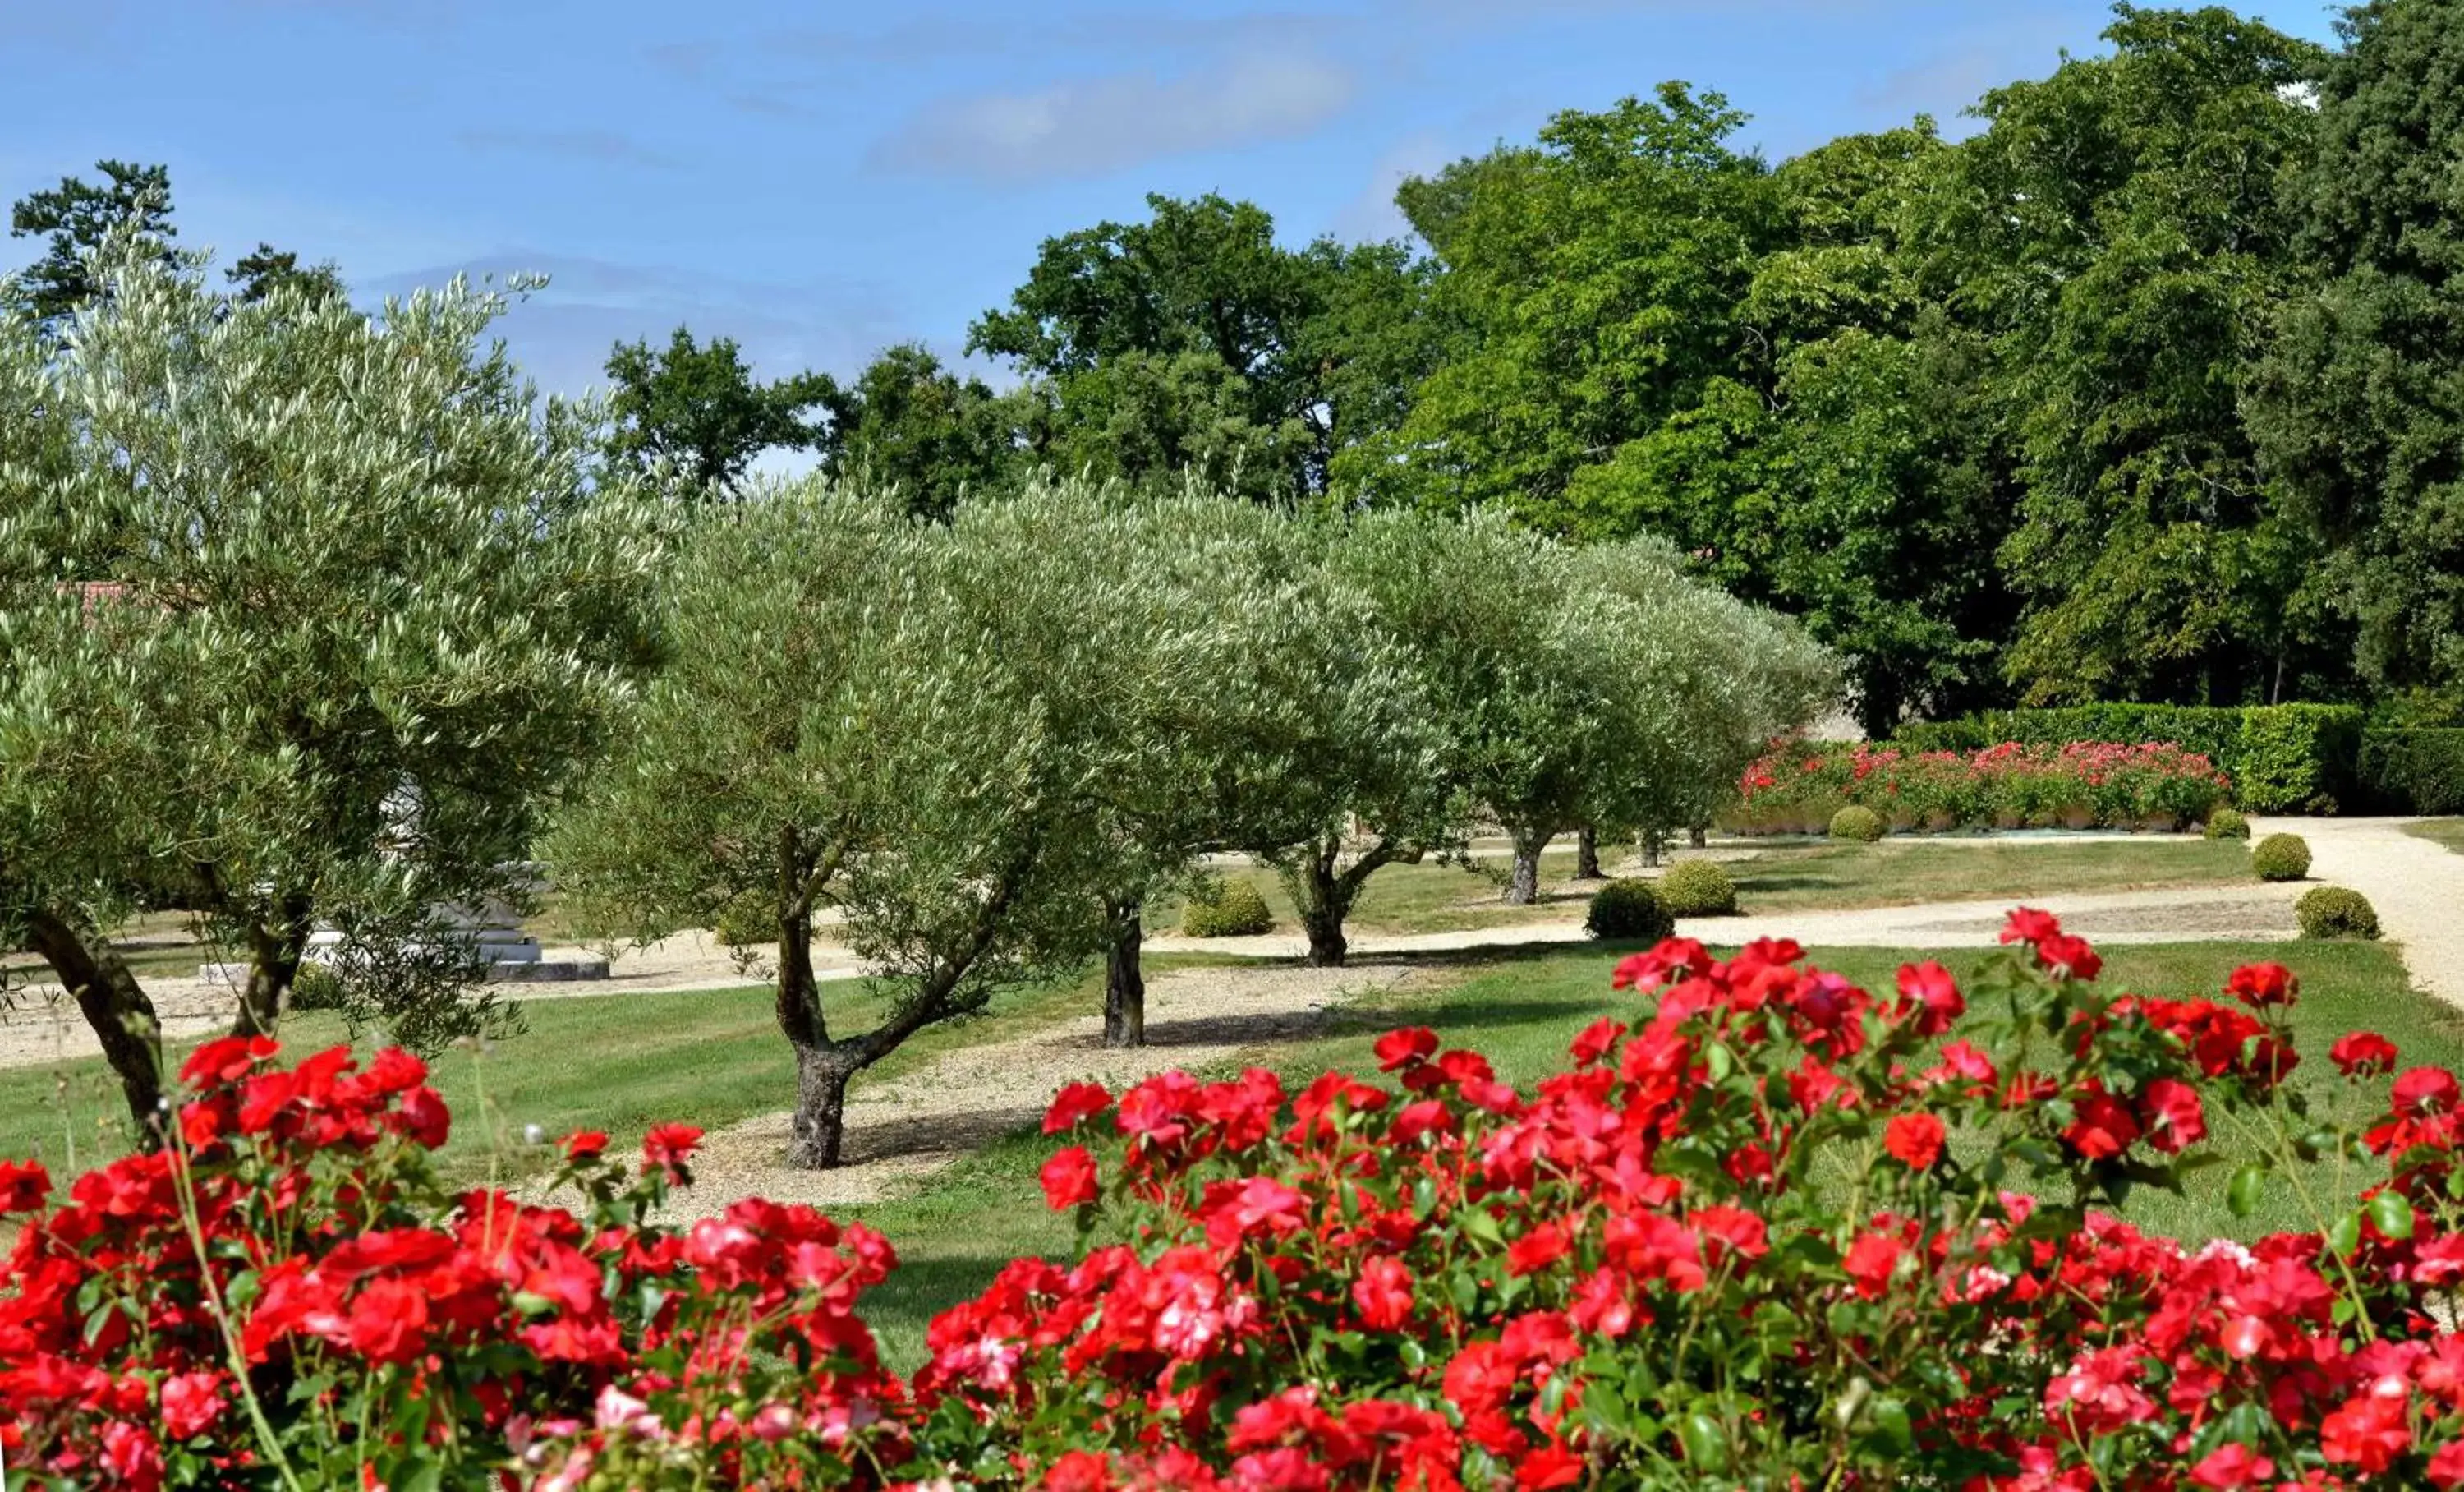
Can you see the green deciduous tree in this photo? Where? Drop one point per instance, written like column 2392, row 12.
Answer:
column 2119, row 231
column 2361, row 406
column 314, row 611
column 1194, row 343
column 909, row 423
column 698, row 407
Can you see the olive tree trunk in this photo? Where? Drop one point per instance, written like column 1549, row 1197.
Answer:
column 1587, row 855
column 116, row 1008
column 1524, row 888
column 276, row 948
column 1125, row 986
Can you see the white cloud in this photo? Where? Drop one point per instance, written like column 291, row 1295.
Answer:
column 1095, row 125
column 606, row 147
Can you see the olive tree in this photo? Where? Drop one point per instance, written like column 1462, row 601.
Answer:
column 891, row 723
column 1273, row 698
column 1717, row 679
column 283, row 571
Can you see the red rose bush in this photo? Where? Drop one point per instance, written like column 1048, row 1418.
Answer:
column 1766, row 1230
column 1796, row 787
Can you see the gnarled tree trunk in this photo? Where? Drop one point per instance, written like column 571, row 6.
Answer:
column 276, row 949
column 116, row 1008
column 1125, row 986
column 1587, row 855
column 1524, row 888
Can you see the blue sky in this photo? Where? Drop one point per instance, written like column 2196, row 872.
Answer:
column 818, row 180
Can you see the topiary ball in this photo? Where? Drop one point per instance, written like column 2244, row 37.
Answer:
column 2280, row 857
column 1858, row 823
column 1629, row 910
column 315, row 986
column 2335, row 912
column 1698, row 889
column 2227, row 824
column 1226, row 909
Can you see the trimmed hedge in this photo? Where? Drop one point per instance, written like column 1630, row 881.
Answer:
column 2282, row 758
column 1698, row 888
column 1858, row 823
column 1629, row 910
column 1233, row 909
column 2335, row 912
column 2280, row 857
column 2415, row 771
column 2226, row 824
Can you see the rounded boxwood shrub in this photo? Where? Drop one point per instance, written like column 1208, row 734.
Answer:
column 2227, row 824
column 315, row 986
column 1698, row 889
column 1859, row 823
column 2280, row 857
column 2335, row 912
column 1629, row 909
column 1226, row 909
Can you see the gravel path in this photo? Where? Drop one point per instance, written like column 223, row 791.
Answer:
column 2417, row 886
column 914, row 1124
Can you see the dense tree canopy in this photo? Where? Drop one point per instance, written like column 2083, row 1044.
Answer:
column 698, row 407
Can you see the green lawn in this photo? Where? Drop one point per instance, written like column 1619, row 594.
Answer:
column 2449, row 832
column 1785, row 877
column 707, row 1057
column 1522, row 1009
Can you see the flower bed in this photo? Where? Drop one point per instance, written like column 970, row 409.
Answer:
column 1776, row 1230
column 1796, row 789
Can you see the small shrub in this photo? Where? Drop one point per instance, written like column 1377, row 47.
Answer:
column 1698, row 889
column 315, row 986
column 1859, row 823
column 2335, row 912
column 1629, row 910
column 2227, row 824
column 1226, row 909
column 2282, row 857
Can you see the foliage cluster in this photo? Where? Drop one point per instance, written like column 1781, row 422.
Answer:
column 2413, row 772
column 2225, row 823
column 1802, row 788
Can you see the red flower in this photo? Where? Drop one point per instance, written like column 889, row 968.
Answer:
column 191, row 1402
column 1070, row 1179
column 2027, row 925
column 584, row 1144
column 2103, row 1128
column 2363, row 1053
column 2262, row 985
column 2066, row 957
column 1870, row 1262
column 667, row 1147
column 23, row 1186
column 1915, row 1139
column 2368, row 1432
column 2173, row 1116
column 1935, row 995
column 1383, row 1294
column 1537, row 1250
column 1075, row 1103
column 2232, row 1464
column 1408, row 1047
column 387, row 1321
column 2425, row 1091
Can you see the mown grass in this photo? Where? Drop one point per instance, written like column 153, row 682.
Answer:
column 2449, row 832
column 1782, row 876
column 620, row 1063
